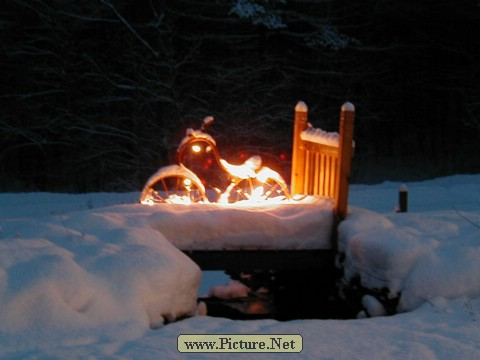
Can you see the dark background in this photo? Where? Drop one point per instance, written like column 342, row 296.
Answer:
column 96, row 94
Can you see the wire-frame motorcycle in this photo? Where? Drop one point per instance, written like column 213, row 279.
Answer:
column 181, row 182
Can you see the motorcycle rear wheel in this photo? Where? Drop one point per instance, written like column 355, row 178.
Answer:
column 173, row 184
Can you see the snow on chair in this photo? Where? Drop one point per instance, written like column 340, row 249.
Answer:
column 321, row 160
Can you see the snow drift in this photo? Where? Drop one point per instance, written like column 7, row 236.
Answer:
column 87, row 270
column 84, row 277
column 415, row 256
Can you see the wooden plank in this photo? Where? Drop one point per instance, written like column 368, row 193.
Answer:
column 347, row 118
column 333, row 175
column 316, row 181
column 328, row 175
column 334, row 172
column 245, row 260
column 321, row 148
column 306, row 179
column 298, row 150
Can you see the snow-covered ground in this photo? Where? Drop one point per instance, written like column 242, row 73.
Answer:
column 96, row 276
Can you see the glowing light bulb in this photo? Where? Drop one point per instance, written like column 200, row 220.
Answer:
column 196, row 148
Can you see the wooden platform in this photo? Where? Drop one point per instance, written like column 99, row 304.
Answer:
column 246, row 260
column 285, row 238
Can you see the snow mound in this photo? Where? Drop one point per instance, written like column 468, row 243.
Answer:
column 415, row 256
column 90, row 270
column 234, row 289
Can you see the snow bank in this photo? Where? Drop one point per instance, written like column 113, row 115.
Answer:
column 441, row 330
column 234, row 289
column 80, row 278
column 418, row 256
column 65, row 275
column 460, row 192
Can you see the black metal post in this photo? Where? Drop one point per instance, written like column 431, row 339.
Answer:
column 403, row 199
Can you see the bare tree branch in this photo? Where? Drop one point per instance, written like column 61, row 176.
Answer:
column 130, row 27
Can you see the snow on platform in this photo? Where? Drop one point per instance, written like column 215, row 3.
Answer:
column 293, row 225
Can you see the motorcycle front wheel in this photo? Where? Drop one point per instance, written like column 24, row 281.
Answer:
column 266, row 189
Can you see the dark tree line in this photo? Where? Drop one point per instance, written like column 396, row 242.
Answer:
column 96, row 94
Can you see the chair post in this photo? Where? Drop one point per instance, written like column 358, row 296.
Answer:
column 298, row 149
column 347, row 116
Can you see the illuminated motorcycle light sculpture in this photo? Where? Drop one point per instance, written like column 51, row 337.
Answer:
column 178, row 183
